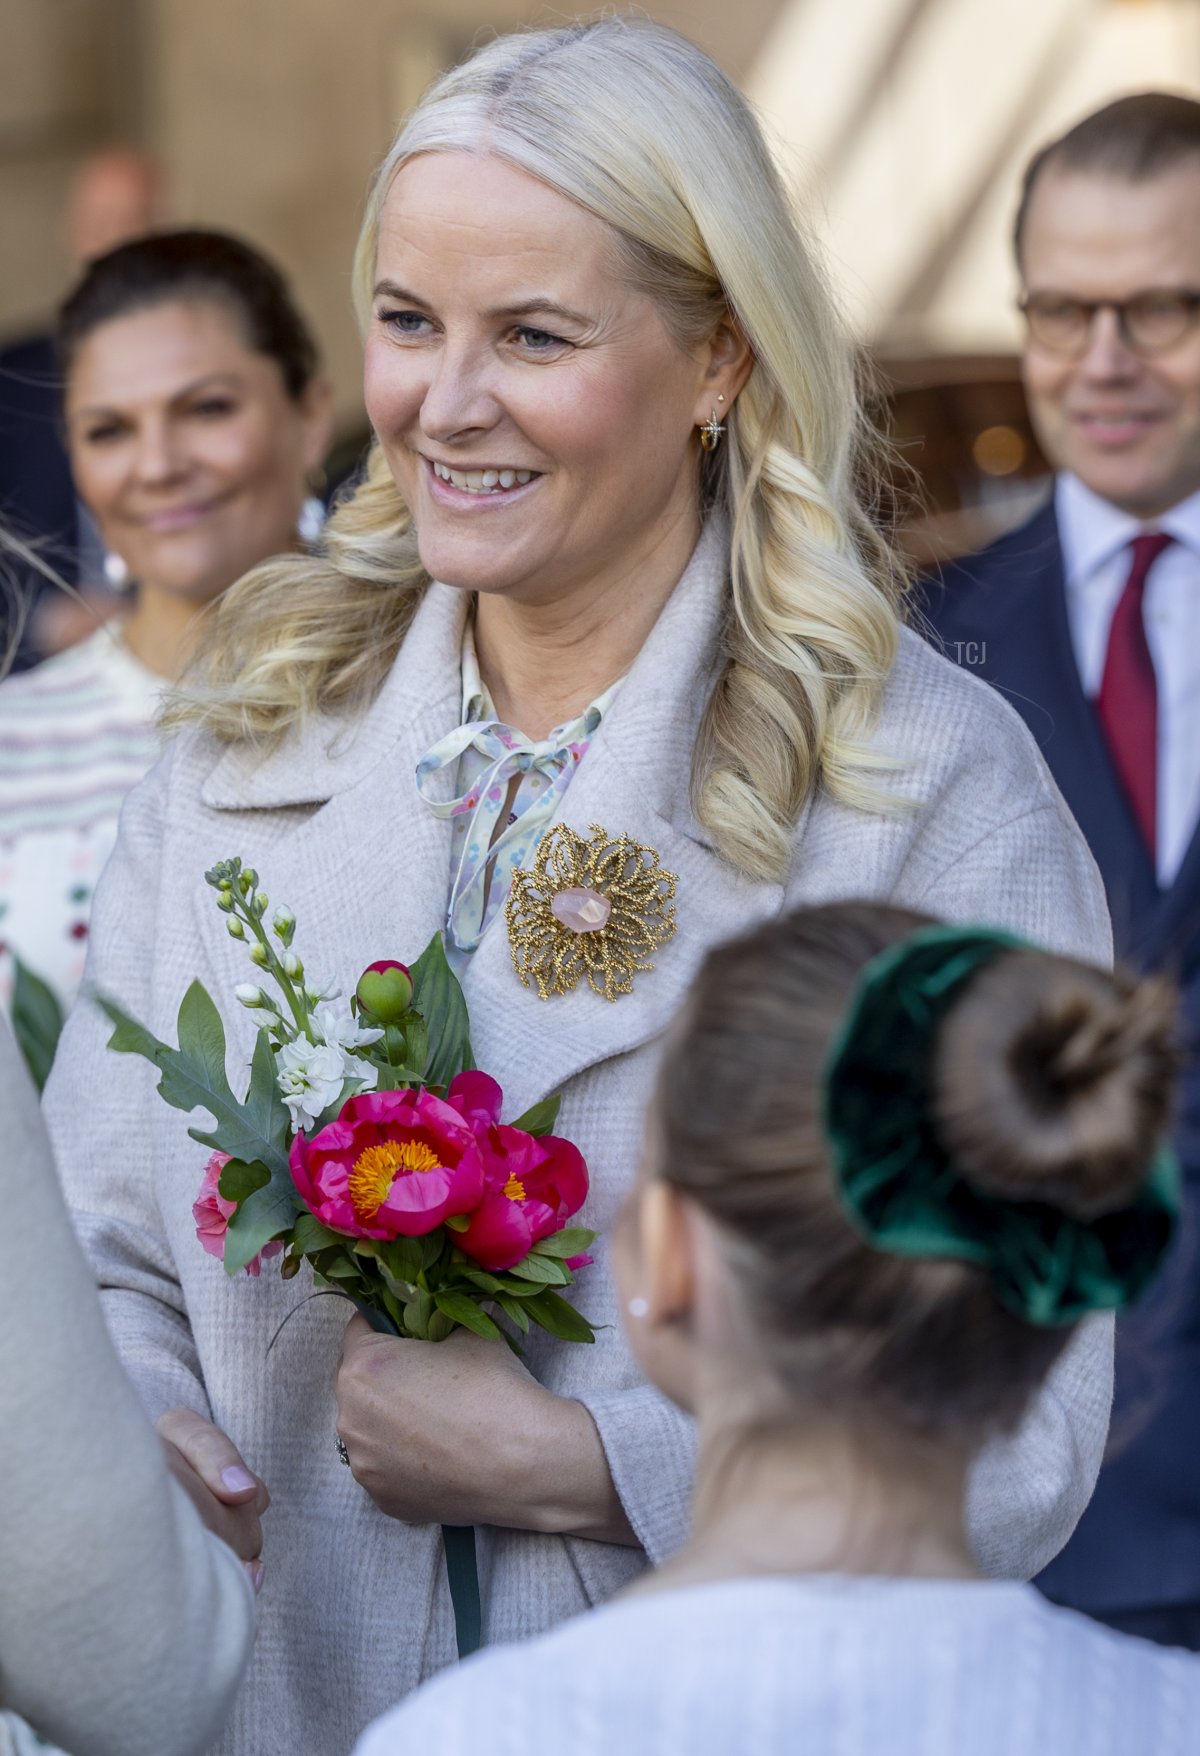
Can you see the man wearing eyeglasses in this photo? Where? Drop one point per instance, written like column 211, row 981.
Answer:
column 1088, row 618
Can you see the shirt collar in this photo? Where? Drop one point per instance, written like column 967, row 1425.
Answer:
column 1092, row 530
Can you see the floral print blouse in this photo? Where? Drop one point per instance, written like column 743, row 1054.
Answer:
column 507, row 790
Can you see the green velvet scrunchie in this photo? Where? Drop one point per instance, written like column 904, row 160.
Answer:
column 904, row 1195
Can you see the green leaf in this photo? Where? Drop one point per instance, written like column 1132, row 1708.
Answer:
column 310, row 1235
column 478, row 1277
column 402, row 1258
column 37, row 1021
column 441, row 1327
column 340, row 1268
column 461, row 1308
column 238, row 1180
column 439, row 999
column 518, row 1289
column 193, row 1077
column 542, row 1117
column 559, row 1318
column 542, row 1269
column 571, row 1241
column 514, row 1309
column 417, row 1314
column 268, row 1212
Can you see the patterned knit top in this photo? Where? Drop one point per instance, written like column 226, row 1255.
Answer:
column 76, row 734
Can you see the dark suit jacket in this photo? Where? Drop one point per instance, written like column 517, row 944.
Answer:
column 1003, row 614
column 37, row 499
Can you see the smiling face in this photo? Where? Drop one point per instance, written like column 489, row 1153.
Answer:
column 537, row 416
column 1128, row 426
column 186, row 447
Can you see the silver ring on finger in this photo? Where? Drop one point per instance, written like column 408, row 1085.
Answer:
column 343, row 1454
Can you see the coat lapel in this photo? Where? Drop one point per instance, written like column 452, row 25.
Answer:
column 367, row 865
column 634, row 780
column 366, row 870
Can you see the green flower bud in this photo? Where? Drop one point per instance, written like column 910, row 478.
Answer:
column 385, row 991
column 292, row 966
column 289, row 1268
column 235, row 928
column 259, row 955
column 225, row 902
column 284, row 924
column 250, row 996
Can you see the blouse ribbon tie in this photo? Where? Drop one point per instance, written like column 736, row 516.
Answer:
column 488, row 757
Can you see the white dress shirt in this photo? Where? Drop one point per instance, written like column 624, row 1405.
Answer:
column 1095, row 537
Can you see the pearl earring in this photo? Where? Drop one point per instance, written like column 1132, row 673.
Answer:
column 638, row 1307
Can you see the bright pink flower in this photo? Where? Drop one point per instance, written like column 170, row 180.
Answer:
column 212, row 1214
column 534, row 1186
column 477, row 1098
column 393, row 1164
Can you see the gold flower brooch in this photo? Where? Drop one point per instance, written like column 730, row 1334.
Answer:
column 591, row 908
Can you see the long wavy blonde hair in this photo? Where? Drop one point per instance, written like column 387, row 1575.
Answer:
column 639, row 127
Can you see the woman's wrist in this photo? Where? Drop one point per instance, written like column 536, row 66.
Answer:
column 562, row 1479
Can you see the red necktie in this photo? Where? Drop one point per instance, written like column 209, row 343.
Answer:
column 1128, row 700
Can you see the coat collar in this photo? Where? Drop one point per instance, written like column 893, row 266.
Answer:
column 368, row 873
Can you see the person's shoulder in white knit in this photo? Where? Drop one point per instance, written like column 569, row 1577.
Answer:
column 823, row 1663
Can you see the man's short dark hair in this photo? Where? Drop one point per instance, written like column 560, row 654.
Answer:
column 1134, row 138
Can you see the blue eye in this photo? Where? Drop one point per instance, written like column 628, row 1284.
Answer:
column 539, row 341
column 403, row 322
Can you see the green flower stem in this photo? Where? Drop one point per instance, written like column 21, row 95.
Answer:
column 283, row 981
column 243, row 910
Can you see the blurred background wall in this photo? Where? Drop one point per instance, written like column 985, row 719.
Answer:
column 901, row 124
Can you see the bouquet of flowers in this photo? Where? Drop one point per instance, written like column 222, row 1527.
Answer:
column 368, row 1144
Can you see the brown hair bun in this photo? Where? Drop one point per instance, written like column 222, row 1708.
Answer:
column 1051, row 1081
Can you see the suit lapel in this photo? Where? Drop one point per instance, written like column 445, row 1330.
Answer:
column 1172, row 941
column 1033, row 656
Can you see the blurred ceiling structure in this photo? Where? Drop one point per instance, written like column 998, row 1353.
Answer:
column 904, row 126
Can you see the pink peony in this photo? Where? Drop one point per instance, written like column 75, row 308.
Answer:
column 212, row 1214
column 534, row 1185
column 393, row 1164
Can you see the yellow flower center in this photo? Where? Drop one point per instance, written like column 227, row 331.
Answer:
column 377, row 1167
column 515, row 1189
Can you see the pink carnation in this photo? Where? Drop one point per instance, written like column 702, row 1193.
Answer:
column 212, row 1214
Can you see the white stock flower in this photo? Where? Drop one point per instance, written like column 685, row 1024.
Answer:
column 310, row 1077
column 340, row 1030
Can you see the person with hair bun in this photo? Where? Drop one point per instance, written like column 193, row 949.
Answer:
column 195, row 415
column 608, row 592
column 890, row 1166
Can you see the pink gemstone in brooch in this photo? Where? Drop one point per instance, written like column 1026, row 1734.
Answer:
column 581, row 911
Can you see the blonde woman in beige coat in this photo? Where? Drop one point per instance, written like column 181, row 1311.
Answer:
column 607, row 568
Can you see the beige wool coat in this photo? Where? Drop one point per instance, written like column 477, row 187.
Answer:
column 355, row 1610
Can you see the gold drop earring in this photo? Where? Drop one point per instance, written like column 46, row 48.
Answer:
column 711, row 430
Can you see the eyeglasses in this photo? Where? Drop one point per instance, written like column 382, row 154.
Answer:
column 1149, row 322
